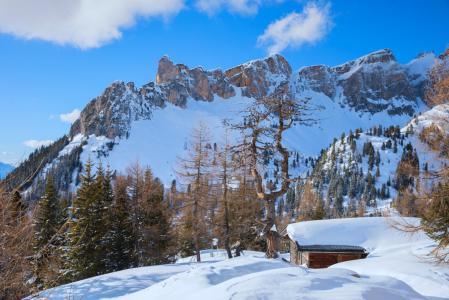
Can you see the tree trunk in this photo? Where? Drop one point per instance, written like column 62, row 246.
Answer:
column 238, row 249
column 271, row 235
column 228, row 250
column 197, row 246
column 272, row 245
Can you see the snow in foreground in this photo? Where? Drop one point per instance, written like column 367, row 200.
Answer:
column 390, row 252
column 247, row 277
column 391, row 271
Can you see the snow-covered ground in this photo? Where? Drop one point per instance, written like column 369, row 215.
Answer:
column 390, row 252
column 391, row 271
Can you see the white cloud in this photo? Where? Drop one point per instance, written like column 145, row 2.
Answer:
column 7, row 153
column 81, row 23
column 242, row 7
column 293, row 30
column 51, row 117
column 37, row 144
column 70, row 117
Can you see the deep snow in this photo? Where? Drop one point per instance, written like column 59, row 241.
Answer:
column 390, row 252
column 391, row 271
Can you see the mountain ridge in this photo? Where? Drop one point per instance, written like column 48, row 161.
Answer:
column 370, row 84
column 153, row 121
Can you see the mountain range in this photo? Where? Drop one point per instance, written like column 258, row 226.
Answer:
column 153, row 121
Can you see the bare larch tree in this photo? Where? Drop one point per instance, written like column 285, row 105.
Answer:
column 264, row 122
column 194, row 170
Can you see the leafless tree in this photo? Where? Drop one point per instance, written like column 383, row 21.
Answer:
column 135, row 173
column 264, row 122
column 194, row 169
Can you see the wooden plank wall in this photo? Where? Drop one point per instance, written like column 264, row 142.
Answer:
column 324, row 260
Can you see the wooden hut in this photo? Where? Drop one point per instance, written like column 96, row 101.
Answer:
column 321, row 256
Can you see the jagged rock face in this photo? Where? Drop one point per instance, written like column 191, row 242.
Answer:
column 370, row 84
column 316, row 78
column 198, row 83
column 374, row 83
column 258, row 77
column 444, row 55
column 111, row 114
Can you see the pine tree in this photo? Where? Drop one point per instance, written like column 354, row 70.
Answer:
column 353, row 189
column 157, row 223
column 339, row 199
column 319, row 213
column 120, row 245
column 290, row 198
column 46, row 260
column 88, row 255
column 370, row 158
column 18, row 206
column 377, row 172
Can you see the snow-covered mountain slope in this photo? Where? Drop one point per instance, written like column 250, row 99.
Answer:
column 417, row 71
column 154, row 121
column 389, row 145
column 391, row 271
column 391, row 253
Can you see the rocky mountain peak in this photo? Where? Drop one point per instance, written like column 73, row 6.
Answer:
column 380, row 56
column 370, row 84
column 259, row 77
column 444, row 55
column 177, row 80
column 425, row 53
column 167, row 71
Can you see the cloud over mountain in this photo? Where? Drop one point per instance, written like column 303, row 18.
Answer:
column 70, row 117
column 37, row 144
column 296, row 29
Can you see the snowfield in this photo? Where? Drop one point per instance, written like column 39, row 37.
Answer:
column 391, row 253
column 393, row 270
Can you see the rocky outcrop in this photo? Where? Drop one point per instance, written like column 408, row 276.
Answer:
column 111, row 114
column 259, row 77
column 375, row 83
column 371, row 84
column 197, row 82
column 316, row 78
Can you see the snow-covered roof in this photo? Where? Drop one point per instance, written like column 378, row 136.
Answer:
column 369, row 233
column 330, row 248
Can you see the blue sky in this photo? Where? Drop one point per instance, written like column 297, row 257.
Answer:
column 55, row 56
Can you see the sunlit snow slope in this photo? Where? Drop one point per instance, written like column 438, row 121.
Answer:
column 390, row 252
column 391, row 271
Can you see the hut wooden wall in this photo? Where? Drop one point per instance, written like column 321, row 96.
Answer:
column 324, row 260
